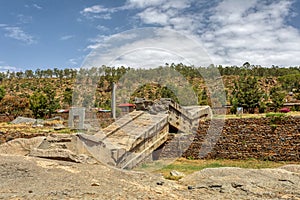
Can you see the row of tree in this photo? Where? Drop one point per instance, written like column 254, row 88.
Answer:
column 188, row 71
column 257, row 70
column 38, row 73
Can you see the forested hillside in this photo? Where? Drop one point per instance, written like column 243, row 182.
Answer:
column 40, row 93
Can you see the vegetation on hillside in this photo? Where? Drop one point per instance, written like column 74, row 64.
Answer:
column 39, row 93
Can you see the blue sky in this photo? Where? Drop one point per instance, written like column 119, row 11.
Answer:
column 62, row 33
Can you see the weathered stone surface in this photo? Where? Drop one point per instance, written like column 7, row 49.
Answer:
column 21, row 146
column 61, row 154
column 49, row 179
column 56, row 138
column 256, row 183
column 35, row 178
column 292, row 168
column 26, row 120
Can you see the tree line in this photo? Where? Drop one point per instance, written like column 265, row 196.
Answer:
column 39, row 73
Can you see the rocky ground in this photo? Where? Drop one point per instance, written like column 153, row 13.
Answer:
column 24, row 177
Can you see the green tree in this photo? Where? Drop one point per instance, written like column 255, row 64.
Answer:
column 38, row 104
column 234, row 105
column 43, row 103
column 68, row 96
column 247, row 93
column 38, row 73
column 166, row 92
column 52, row 102
column 290, row 82
column 29, row 73
column 2, row 93
column 277, row 98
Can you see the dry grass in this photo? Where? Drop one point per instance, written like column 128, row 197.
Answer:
column 29, row 129
column 293, row 113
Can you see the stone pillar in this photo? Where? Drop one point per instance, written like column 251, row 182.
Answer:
column 76, row 113
column 113, row 101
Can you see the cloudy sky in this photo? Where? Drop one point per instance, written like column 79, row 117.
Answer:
column 65, row 33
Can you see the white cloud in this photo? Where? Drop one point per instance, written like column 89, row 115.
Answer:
column 153, row 16
column 18, row 34
column 168, row 13
column 232, row 31
column 37, row 6
column 143, row 3
column 252, row 31
column 98, row 12
column 24, row 19
column 10, row 68
column 164, row 4
column 103, row 40
column 102, row 28
column 75, row 62
column 147, row 48
column 94, row 9
column 67, row 37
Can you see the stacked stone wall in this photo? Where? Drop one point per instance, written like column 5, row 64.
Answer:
column 261, row 138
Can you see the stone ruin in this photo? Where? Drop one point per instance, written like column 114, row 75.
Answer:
column 129, row 140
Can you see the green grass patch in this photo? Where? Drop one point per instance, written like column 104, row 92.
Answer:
column 187, row 166
column 279, row 115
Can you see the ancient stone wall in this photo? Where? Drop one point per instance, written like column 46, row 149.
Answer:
column 261, row 138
